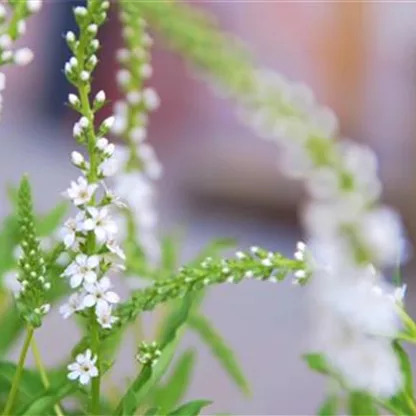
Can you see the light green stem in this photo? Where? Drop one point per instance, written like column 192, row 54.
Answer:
column 18, row 375
column 43, row 375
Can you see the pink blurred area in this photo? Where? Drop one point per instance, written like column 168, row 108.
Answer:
column 222, row 180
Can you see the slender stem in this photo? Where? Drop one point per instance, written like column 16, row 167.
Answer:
column 18, row 375
column 96, row 381
column 42, row 372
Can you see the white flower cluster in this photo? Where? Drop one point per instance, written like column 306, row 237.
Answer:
column 10, row 30
column 87, row 272
column 138, row 158
column 90, row 237
column 350, row 235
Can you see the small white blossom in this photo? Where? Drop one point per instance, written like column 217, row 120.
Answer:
column 70, row 37
column 99, row 293
column 34, row 5
column 114, row 248
column 101, row 223
column 73, row 305
column 84, row 75
column 100, row 97
column 138, row 134
column 123, row 77
column 73, row 100
column 109, row 167
column 134, row 97
column 104, row 315
column 23, row 56
column 77, row 158
column 80, row 11
column 83, row 368
column 5, row 41
column 146, row 70
column 108, row 122
column 81, row 191
column 82, row 269
column 151, row 99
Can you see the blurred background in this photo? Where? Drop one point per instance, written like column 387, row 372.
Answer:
column 222, row 181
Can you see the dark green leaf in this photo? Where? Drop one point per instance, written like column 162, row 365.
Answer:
column 329, row 407
column 191, row 408
column 30, row 384
column 45, row 402
column 221, row 351
column 360, row 404
column 317, row 362
column 174, row 389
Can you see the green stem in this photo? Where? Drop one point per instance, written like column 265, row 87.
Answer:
column 43, row 375
column 96, row 381
column 19, row 371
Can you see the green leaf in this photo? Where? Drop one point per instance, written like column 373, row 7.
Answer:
column 406, row 367
column 150, row 376
column 360, row 404
column 329, row 406
column 317, row 362
column 191, row 408
column 11, row 327
column 48, row 223
column 154, row 411
column 45, row 402
column 30, row 384
column 168, row 395
column 221, row 351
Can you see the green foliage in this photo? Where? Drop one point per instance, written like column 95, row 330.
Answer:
column 191, row 408
column 329, row 407
column 173, row 390
column 361, row 404
column 317, row 362
column 221, row 351
column 150, row 375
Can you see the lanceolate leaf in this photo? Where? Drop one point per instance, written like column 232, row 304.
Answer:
column 175, row 388
column 191, row 408
column 329, row 407
column 30, row 384
column 45, row 402
column 221, row 351
column 317, row 362
column 47, row 224
column 150, row 376
column 360, row 404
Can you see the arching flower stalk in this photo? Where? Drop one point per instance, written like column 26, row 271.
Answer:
column 89, row 236
column 140, row 167
column 351, row 236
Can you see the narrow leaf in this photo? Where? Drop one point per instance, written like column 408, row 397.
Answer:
column 360, row 404
column 317, row 362
column 168, row 395
column 191, row 408
column 221, row 351
column 329, row 407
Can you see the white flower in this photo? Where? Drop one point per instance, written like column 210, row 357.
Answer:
column 23, row 56
column 82, row 269
column 123, row 77
column 115, row 249
column 77, row 158
column 80, row 11
column 73, row 305
column 138, row 134
column 70, row 37
column 34, row 5
column 70, row 228
column 5, row 41
column 381, row 231
column 146, row 71
column 2, row 81
column 100, row 97
column 99, row 293
column 123, row 55
column 101, row 223
column 84, row 75
column 106, row 147
column 81, row 191
column 83, row 368
column 104, row 315
column 108, row 122
column 134, row 97
column 109, row 167
column 73, row 100
column 151, row 99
